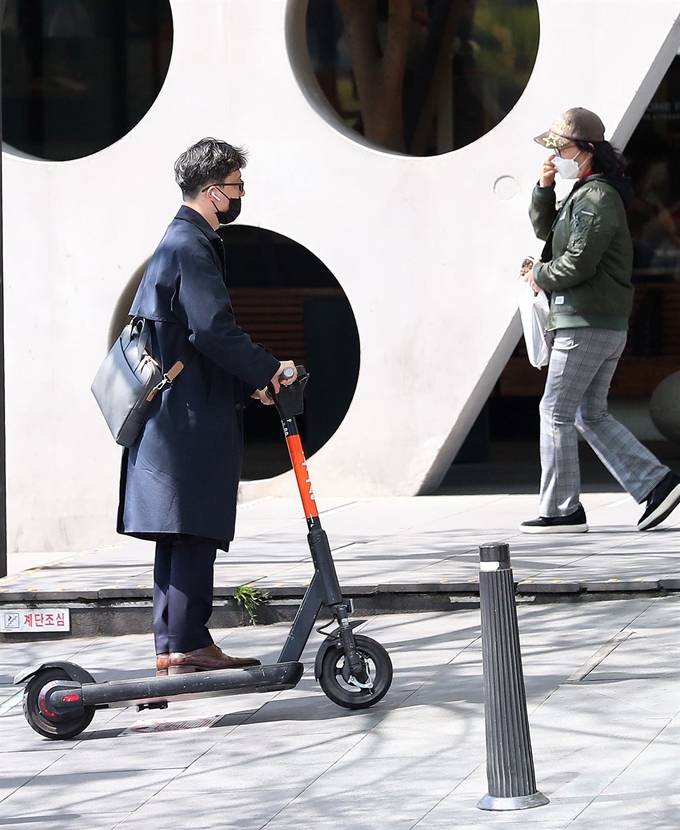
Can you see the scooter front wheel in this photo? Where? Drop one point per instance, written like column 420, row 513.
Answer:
column 53, row 729
column 342, row 688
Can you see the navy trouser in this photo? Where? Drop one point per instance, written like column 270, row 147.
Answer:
column 183, row 593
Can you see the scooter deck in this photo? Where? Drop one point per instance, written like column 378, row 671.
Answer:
column 146, row 690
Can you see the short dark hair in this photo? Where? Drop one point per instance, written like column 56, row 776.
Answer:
column 607, row 160
column 209, row 161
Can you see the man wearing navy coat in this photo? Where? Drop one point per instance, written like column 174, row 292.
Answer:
column 180, row 479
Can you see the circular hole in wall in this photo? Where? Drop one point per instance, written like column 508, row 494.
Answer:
column 78, row 75
column 422, row 77
column 289, row 301
column 285, row 298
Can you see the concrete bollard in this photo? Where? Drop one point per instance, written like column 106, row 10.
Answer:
column 509, row 760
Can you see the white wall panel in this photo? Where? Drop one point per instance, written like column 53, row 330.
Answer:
column 424, row 248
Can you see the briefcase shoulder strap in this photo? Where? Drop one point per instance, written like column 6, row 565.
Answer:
column 177, row 367
column 182, row 362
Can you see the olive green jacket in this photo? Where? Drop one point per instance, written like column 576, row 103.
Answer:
column 589, row 274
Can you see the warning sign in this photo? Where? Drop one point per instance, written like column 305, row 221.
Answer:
column 24, row 619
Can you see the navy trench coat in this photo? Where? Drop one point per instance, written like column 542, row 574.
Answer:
column 182, row 474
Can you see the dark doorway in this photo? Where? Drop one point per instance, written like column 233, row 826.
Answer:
column 288, row 300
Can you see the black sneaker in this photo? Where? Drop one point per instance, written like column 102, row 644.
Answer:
column 661, row 502
column 573, row 523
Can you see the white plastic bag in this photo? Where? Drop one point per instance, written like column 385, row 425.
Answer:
column 534, row 310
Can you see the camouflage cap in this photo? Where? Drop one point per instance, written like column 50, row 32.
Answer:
column 576, row 124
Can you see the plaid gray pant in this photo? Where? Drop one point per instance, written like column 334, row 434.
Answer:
column 582, row 364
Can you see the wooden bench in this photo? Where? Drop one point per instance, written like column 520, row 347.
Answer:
column 275, row 316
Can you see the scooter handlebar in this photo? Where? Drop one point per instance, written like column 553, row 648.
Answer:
column 287, row 374
column 289, row 398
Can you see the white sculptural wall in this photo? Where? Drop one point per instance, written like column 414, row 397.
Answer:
column 426, row 249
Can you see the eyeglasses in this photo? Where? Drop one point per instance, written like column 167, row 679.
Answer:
column 241, row 186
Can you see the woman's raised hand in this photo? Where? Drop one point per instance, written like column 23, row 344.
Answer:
column 548, row 173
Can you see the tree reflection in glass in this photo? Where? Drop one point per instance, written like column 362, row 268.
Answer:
column 422, row 76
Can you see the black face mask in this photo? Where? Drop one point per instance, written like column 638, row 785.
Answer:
column 226, row 217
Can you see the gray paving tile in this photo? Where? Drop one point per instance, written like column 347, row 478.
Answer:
column 580, row 745
column 652, row 774
column 630, row 812
column 160, row 751
column 17, row 736
column 18, row 768
column 376, row 811
column 640, row 675
column 395, row 781
column 232, row 764
column 672, row 731
column 419, row 730
column 459, row 809
column 312, row 713
column 86, row 793
column 38, row 819
column 230, row 810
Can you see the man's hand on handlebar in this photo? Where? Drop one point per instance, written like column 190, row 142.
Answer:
column 263, row 396
column 277, row 381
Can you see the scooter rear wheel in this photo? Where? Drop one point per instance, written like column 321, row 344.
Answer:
column 55, row 730
column 338, row 684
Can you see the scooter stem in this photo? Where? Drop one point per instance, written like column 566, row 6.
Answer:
column 289, row 403
column 299, row 462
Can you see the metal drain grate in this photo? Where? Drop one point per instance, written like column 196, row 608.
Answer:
column 148, row 727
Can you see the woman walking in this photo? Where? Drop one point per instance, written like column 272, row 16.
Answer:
column 586, row 267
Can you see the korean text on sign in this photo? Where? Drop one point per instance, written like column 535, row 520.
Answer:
column 23, row 619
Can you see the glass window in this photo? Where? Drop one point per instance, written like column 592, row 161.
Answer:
column 432, row 76
column 655, row 216
column 77, row 75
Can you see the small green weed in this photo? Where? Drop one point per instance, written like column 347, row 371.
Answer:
column 249, row 599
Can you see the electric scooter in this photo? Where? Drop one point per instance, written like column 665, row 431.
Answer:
column 354, row 671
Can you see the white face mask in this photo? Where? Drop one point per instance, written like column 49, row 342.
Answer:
column 567, row 168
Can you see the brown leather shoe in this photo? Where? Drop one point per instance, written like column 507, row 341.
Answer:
column 162, row 664
column 206, row 659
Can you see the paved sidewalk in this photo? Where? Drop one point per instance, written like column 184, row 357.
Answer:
column 424, row 543
column 606, row 743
